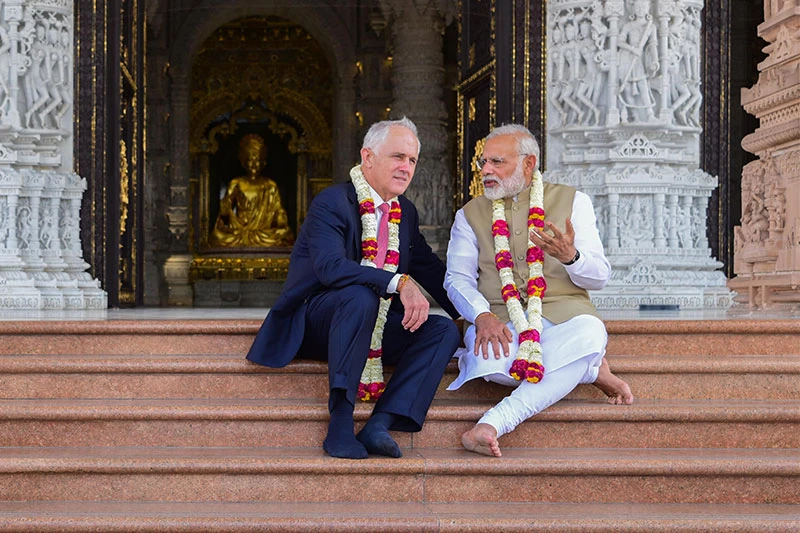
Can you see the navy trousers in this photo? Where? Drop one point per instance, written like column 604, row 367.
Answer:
column 339, row 326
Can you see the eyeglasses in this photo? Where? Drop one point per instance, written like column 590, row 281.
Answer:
column 495, row 161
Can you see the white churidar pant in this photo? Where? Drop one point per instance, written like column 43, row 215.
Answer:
column 571, row 352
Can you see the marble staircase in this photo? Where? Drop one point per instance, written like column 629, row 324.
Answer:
column 161, row 425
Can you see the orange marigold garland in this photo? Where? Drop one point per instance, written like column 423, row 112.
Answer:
column 528, row 364
column 372, row 384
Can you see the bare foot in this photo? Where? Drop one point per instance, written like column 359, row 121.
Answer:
column 618, row 392
column 482, row 439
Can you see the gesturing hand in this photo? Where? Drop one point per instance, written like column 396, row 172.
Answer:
column 416, row 306
column 490, row 329
column 558, row 245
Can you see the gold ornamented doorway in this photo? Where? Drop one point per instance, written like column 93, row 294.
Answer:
column 260, row 92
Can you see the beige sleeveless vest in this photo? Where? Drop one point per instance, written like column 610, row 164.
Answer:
column 562, row 299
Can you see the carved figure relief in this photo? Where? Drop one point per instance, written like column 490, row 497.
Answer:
column 589, row 73
column 684, row 71
column 42, row 69
column 576, row 76
column 636, row 222
column 650, row 86
column 638, row 62
column 755, row 218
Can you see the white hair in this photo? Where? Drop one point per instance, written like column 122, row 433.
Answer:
column 377, row 133
column 526, row 142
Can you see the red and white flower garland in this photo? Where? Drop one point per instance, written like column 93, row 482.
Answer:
column 372, row 384
column 528, row 364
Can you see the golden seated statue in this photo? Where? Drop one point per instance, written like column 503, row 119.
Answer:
column 251, row 213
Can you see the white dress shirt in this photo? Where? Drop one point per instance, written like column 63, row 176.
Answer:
column 377, row 200
column 590, row 272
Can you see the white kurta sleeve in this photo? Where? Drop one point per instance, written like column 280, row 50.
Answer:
column 461, row 279
column 592, row 270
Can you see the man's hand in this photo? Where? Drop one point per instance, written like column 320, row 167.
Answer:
column 489, row 329
column 416, row 306
column 558, row 245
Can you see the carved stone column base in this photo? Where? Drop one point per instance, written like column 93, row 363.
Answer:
column 621, row 297
column 52, row 297
column 17, row 291
column 92, row 296
column 176, row 273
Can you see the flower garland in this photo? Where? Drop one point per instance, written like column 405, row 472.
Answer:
column 528, row 364
column 372, row 384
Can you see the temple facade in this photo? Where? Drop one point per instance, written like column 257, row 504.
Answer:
column 164, row 152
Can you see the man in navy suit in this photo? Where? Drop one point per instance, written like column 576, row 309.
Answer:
column 330, row 301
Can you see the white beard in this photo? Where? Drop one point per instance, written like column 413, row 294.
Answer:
column 505, row 188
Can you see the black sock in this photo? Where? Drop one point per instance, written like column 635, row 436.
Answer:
column 383, row 420
column 375, row 435
column 340, row 441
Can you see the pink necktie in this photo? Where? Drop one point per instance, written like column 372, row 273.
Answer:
column 383, row 235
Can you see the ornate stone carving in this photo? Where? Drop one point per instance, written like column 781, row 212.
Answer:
column 41, row 261
column 636, row 65
column 766, row 244
column 624, row 128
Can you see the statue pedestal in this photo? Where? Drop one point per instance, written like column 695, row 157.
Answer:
column 234, row 293
column 246, row 277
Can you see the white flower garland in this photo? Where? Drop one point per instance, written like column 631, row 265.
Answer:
column 372, row 384
column 528, row 364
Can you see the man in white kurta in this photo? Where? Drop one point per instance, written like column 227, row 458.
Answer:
column 573, row 337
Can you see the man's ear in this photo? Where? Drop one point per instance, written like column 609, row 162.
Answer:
column 367, row 157
column 530, row 163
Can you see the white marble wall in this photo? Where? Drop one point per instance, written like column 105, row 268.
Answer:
column 41, row 264
column 623, row 109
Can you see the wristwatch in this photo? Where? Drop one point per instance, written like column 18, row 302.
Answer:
column 577, row 256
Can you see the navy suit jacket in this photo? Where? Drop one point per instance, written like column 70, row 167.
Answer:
column 327, row 255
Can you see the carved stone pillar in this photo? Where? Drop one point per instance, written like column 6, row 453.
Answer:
column 176, row 267
column 41, row 263
column 623, row 126
column 767, row 244
column 417, row 78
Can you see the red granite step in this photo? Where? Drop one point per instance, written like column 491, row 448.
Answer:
column 195, row 517
column 232, row 376
column 232, row 422
column 127, row 337
column 275, row 423
column 626, row 337
column 432, row 476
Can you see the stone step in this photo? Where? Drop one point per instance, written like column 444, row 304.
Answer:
column 734, row 336
column 741, row 336
column 232, row 376
column 276, row 423
column 741, row 476
column 93, row 337
column 268, row 517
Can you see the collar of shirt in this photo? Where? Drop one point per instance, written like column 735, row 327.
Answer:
column 377, row 200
